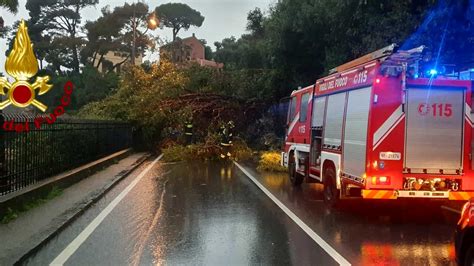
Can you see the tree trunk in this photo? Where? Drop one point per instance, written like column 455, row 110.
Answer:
column 93, row 58
column 75, row 53
column 175, row 33
column 100, row 61
column 75, row 58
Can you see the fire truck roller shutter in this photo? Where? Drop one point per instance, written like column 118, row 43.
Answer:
column 334, row 119
column 434, row 129
column 355, row 132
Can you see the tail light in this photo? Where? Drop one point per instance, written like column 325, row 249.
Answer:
column 381, row 180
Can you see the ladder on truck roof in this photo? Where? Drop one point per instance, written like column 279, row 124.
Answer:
column 389, row 55
column 405, row 56
column 384, row 52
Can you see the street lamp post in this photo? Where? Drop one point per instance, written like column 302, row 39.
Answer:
column 152, row 23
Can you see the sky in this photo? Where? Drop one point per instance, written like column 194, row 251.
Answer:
column 223, row 18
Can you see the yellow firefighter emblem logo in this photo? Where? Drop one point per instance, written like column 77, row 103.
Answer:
column 22, row 65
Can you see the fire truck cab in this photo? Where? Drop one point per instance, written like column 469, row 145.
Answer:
column 383, row 127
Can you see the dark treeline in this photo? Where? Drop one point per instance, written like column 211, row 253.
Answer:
column 300, row 40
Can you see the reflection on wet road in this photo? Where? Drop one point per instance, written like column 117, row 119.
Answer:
column 416, row 232
column 212, row 214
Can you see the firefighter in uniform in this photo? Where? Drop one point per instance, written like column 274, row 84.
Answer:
column 226, row 133
column 188, row 131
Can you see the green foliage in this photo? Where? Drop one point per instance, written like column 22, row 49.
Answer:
column 200, row 79
column 240, row 151
column 244, row 53
column 193, row 152
column 53, row 193
column 139, row 99
column 244, row 84
column 89, row 86
column 263, row 133
column 177, row 153
column 93, row 86
column 11, row 5
column 113, row 31
column 270, row 161
column 179, row 16
column 255, row 22
column 55, row 27
column 209, row 150
column 9, row 216
column 208, row 53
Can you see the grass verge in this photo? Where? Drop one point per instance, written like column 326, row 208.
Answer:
column 13, row 213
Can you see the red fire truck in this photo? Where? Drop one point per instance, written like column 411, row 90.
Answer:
column 383, row 127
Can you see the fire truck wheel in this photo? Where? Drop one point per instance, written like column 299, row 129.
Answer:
column 331, row 193
column 295, row 178
column 469, row 257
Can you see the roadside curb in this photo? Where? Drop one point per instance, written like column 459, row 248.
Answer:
column 81, row 209
column 63, row 180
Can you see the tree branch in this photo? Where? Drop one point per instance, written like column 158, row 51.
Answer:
column 100, row 60
column 118, row 64
column 94, row 54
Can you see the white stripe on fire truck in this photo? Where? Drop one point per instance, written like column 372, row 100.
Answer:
column 390, row 131
column 293, row 123
column 297, row 144
column 387, row 127
column 468, row 114
column 469, row 121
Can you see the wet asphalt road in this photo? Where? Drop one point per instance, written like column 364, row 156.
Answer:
column 212, row 214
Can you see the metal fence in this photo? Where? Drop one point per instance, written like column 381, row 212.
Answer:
column 54, row 148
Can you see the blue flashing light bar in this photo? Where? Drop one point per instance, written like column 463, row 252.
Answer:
column 433, row 72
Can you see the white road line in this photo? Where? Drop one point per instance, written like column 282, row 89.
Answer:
column 323, row 244
column 450, row 209
column 82, row 237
